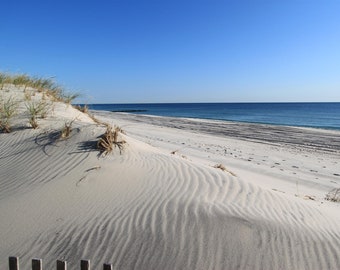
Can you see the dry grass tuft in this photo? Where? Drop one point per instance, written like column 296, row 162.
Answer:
column 28, row 95
column 4, row 79
column 223, row 168
column 83, row 109
column 109, row 140
column 68, row 98
column 66, row 131
column 97, row 121
column 333, row 195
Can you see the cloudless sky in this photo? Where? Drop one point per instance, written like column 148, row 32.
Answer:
column 127, row 51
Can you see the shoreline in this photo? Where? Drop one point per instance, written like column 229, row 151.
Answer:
column 225, row 120
column 318, row 139
column 307, row 115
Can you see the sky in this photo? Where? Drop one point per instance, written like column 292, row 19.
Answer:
column 147, row 51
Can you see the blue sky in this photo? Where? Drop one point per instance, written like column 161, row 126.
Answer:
column 177, row 51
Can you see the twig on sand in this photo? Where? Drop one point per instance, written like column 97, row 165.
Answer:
column 308, row 197
column 93, row 168
column 223, row 168
column 88, row 170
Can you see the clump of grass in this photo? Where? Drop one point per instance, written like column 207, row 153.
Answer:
column 21, row 80
column 223, row 168
column 36, row 109
column 42, row 84
column 54, row 93
column 333, row 195
column 8, row 109
column 4, row 79
column 66, row 131
column 83, row 109
column 68, row 98
column 97, row 121
column 44, row 108
column 28, row 95
column 109, row 140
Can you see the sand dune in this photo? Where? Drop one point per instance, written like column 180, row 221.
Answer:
column 151, row 209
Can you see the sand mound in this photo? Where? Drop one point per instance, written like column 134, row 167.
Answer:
column 147, row 209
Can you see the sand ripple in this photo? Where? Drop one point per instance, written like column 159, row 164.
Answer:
column 149, row 210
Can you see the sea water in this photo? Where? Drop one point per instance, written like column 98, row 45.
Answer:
column 316, row 115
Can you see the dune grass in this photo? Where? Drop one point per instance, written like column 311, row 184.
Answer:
column 4, row 79
column 8, row 108
column 83, row 109
column 46, row 86
column 109, row 140
column 35, row 110
column 38, row 107
column 333, row 195
column 67, row 129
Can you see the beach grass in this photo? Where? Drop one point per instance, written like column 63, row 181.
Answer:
column 67, row 129
column 83, row 109
column 333, row 195
column 46, row 86
column 36, row 109
column 8, row 108
column 109, row 140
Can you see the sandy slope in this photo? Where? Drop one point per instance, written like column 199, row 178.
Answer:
column 150, row 209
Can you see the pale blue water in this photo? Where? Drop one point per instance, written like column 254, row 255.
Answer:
column 317, row 115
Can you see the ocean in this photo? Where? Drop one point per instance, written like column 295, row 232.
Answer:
column 316, row 115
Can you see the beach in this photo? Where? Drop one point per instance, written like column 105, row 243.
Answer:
column 182, row 194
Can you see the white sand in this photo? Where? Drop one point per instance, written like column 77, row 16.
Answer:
column 150, row 209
